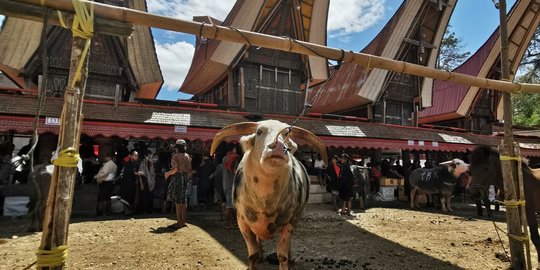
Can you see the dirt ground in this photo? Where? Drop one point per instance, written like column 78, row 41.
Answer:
column 386, row 236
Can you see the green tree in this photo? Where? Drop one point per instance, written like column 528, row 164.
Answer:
column 451, row 53
column 527, row 106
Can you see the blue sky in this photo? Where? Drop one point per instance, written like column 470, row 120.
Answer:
column 349, row 28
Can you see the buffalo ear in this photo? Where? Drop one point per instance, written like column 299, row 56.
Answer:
column 247, row 142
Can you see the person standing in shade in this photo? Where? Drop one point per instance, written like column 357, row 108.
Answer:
column 230, row 164
column 320, row 169
column 179, row 175
column 147, row 182
column 332, row 186
column 346, row 184
column 129, row 181
column 105, row 179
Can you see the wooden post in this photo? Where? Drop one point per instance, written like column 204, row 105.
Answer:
column 509, row 166
column 58, row 213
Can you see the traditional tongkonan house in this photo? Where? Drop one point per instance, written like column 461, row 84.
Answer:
column 475, row 110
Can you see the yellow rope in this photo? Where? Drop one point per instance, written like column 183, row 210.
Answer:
column 68, row 157
column 54, row 257
column 504, row 158
column 61, row 19
column 83, row 26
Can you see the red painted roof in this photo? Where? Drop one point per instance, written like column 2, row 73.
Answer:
column 448, row 96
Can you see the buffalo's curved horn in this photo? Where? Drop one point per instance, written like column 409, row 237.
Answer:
column 311, row 139
column 231, row 130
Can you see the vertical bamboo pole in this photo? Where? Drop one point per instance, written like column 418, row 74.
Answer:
column 58, row 213
column 509, row 166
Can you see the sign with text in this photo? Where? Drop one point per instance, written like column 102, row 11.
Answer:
column 454, row 139
column 183, row 119
column 345, row 131
column 180, row 129
column 52, row 121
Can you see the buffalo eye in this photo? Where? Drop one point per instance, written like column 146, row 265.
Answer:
column 259, row 131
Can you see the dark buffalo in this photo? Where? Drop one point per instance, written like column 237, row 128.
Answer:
column 361, row 184
column 440, row 180
column 486, row 171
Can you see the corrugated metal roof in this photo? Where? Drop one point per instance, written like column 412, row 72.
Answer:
column 351, row 85
column 451, row 100
column 213, row 57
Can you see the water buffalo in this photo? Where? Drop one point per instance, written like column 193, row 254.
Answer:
column 361, row 184
column 486, row 171
column 440, row 180
column 271, row 186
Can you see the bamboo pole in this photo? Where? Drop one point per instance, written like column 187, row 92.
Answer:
column 34, row 13
column 510, row 172
column 59, row 203
column 284, row 44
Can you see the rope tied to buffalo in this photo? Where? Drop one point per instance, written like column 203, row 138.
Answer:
column 506, row 158
column 54, row 257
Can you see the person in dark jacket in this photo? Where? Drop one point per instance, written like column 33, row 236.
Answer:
column 129, row 181
column 346, row 184
column 332, row 185
column 205, row 188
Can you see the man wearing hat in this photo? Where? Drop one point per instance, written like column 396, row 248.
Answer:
column 179, row 175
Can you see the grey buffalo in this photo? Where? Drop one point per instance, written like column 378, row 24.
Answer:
column 440, row 180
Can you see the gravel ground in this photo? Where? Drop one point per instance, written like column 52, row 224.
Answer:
column 386, row 236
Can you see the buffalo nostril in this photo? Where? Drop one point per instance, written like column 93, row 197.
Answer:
column 272, row 145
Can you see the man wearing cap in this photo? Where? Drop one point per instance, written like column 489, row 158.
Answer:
column 179, row 176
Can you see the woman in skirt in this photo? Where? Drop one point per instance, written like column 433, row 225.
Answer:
column 179, row 176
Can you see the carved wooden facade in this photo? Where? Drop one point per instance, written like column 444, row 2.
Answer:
column 265, row 80
column 109, row 76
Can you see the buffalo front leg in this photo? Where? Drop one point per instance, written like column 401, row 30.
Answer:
column 446, row 203
column 253, row 245
column 413, row 198
column 284, row 246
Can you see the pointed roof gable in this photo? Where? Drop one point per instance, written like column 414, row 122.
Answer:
column 452, row 100
column 212, row 58
column 20, row 40
column 352, row 85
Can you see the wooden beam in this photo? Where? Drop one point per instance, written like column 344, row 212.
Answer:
column 35, row 13
column 285, row 44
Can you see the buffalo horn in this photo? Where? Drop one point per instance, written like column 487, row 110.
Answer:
column 232, row 130
column 311, row 139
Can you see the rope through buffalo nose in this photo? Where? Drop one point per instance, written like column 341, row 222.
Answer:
column 288, row 132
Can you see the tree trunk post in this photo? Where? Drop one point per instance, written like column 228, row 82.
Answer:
column 59, row 203
column 509, row 167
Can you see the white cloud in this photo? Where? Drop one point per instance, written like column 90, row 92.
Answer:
column 346, row 17
column 186, row 9
column 175, row 60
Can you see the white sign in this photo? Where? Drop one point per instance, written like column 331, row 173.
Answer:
column 454, row 139
column 180, row 129
column 435, row 144
column 345, row 131
column 52, row 121
column 183, row 119
column 410, row 142
column 529, row 145
column 420, row 143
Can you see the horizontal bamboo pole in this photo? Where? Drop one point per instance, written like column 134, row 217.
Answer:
column 35, row 13
column 285, row 44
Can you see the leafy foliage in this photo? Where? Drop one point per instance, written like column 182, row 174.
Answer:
column 451, row 53
column 527, row 106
